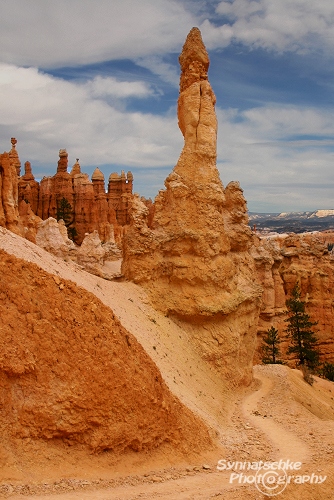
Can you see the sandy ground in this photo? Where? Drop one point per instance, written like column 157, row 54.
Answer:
column 279, row 418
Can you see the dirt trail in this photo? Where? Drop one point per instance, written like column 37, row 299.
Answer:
column 199, row 485
column 288, row 445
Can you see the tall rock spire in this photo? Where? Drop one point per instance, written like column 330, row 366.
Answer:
column 194, row 60
column 196, row 104
column 63, row 161
column 14, row 157
column 193, row 259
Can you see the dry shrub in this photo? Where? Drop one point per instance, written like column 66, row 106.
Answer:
column 307, row 375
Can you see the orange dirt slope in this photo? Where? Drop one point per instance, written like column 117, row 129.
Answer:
column 70, row 371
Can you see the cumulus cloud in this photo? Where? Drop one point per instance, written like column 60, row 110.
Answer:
column 294, row 25
column 280, row 156
column 108, row 86
column 47, row 113
column 77, row 32
column 277, row 153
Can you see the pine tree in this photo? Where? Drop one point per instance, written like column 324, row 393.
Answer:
column 65, row 211
column 303, row 339
column 270, row 349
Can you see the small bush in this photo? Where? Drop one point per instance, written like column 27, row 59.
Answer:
column 327, row 371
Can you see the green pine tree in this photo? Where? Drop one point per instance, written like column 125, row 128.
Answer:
column 64, row 211
column 270, row 347
column 302, row 336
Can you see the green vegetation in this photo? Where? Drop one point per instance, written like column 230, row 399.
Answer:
column 72, row 233
column 65, row 212
column 327, row 371
column 303, row 338
column 270, row 347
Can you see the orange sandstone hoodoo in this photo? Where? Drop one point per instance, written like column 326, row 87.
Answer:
column 193, row 257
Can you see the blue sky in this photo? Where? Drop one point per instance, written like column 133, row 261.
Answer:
column 101, row 80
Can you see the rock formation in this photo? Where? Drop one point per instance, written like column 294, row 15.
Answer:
column 14, row 157
column 283, row 260
column 28, row 221
column 9, row 211
column 92, row 208
column 91, row 254
column 69, row 372
column 52, row 236
column 120, row 195
column 53, row 189
column 194, row 257
column 29, row 188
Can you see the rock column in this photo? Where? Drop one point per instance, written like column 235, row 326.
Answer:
column 194, row 257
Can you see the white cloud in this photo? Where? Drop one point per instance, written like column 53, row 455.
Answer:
column 46, row 113
column 76, row 32
column 216, row 36
column 109, row 86
column 296, row 25
column 276, row 152
column 258, row 148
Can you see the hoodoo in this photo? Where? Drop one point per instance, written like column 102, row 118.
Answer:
column 193, row 257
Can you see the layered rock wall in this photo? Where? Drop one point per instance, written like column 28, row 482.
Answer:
column 283, row 261
column 193, row 256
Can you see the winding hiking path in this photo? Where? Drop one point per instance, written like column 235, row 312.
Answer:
column 199, row 484
column 289, row 446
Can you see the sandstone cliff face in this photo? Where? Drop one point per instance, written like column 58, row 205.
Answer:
column 193, row 257
column 28, row 221
column 53, row 189
column 92, row 208
column 70, row 371
column 282, row 261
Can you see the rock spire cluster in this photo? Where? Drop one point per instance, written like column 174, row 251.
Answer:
column 93, row 207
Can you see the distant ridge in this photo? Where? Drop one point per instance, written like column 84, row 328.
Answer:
column 296, row 222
